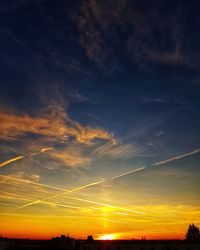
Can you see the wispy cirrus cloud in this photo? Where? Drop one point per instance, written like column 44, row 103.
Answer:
column 24, row 176
column 173, row 57
column 77, row 155
column 71, row 157
column 91, row 38
column 112, row 30
column 117, row 151
column 54, row 124
column 50, row 131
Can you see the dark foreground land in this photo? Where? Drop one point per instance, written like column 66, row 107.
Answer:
column 67, row 243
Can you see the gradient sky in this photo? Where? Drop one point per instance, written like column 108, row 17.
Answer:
column 99, row 118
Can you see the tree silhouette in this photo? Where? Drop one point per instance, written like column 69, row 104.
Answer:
column 193, row 233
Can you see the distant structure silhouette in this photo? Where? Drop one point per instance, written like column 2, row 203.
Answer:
column 90, row 238
column 138, row 245
column 67, row 243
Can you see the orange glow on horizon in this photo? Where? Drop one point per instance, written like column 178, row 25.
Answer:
column 42, row 235
column 107, row 237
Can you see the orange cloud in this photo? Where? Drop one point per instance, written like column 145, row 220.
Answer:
column 55, row 124
column 27, row 177
column 71, row 157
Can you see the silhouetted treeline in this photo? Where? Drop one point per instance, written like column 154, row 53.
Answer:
column 64, row 243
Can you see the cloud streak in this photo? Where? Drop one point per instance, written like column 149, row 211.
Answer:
column 129, row 172
column 63, row 193
column 113, row 178
column 71, row 158
column 54, row 124
column 129, row 24
column 13, row 180
column 11, row 160
column 50, row 126
column 196, row 151
column 43, row 150
column 179, row 157
column 117, row 151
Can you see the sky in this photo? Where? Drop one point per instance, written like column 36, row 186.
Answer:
column 99, row 118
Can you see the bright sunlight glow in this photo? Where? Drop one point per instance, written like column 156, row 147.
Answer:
column 107, row 237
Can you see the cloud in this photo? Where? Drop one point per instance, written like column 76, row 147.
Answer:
column 110, row 31
column 25, row 176
column 179, row 157
column 75, row 96
column 159, row 133
column 72, row 157
column 54, row 123
column 117, row 151
column 53, row 133
column 77, row 155
column 91, row 37
column 172, row 57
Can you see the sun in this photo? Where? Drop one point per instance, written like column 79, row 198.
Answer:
column 107, row 237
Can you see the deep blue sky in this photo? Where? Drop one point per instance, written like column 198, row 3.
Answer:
column 105, row 86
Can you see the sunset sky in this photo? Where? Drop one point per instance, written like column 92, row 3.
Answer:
column 99, row 118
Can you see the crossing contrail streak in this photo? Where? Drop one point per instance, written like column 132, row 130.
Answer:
column 30, row 182
column 78, row 188
column 45, row 201
column 43, row 150
column 111, row 206
column 63, row 193
column 49, row 203
column 10, row 197
column 113, row 178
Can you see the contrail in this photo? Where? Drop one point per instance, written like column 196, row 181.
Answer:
column 79, row 199
column 10, row 196
column 129, row 172
column 78, row 189
column 31, row 182
column 11, row 160
column 177, row 157
column 29, row 204
column 22, row 157
column 111, row 206
column 63, row 193
column 158, row 163
column 113, row 178
column 14, row 198
column 48, row 203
